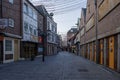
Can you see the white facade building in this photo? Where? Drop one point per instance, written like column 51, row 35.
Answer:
column 30, row 24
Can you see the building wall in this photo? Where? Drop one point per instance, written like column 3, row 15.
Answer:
column 12, row 11
column 90, row 21
column 108, row 29
column 40, row 21
column 118, row 58
column 30, row 24
column 51, row 36
column 40, row 30
column 109, row 24
column 29, row 41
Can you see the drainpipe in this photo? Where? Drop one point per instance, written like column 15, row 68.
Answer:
column 1, row 15
column 1, row 10
column 96, row 29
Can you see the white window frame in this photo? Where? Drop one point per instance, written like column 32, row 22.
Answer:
column 11, row 22
column 8, row 52
column 31, row 29
column 11, row 1
column 25, row 8
column 26, row 31
column 30, row 12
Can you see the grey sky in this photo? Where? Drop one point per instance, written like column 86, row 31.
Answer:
column 67, row 20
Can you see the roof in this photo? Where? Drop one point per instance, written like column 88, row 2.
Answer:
column 72, row 31
column 42, row 10
column 34, row 7
column 84, row 11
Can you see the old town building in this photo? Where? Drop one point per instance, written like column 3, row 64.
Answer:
column 10, row 30
column 49, row 31
column 29, row 42
column 70, row 39
column 102, row 30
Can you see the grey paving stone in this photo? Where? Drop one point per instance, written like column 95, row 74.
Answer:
column 64, row 66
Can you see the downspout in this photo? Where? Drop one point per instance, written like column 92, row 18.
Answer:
column 1, row 14
column 96, row 29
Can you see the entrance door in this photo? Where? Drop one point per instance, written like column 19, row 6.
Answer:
column 94, row 45
column 101, row 52
column 1, row 52
column 16, row 50
column 91, row 52
column 8, row 50
column 111, row 53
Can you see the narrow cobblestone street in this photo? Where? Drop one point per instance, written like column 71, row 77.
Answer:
column 63, row 66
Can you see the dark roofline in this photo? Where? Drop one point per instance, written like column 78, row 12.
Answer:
column 34, row 7
column 84, row 11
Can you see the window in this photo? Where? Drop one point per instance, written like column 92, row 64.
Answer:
column 11, row 22
column 30, row 12
column 34, row 15
column 31, row 30
column 25, row 26
column 71, row 30
column 52, row 28
column 25, row 8
column 11, row 1
column 35, row 32
column 48, row 25
column 8, row 45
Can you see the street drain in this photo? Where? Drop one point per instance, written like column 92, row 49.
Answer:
column 82, row 70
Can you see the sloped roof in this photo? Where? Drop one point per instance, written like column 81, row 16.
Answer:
column 72, row 30
column 42, row 10
column 84, row 12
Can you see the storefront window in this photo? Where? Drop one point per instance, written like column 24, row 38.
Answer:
column 8, row 45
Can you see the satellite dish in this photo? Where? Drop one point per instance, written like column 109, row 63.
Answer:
column 51, row 14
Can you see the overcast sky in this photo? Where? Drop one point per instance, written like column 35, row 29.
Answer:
column 68, row 19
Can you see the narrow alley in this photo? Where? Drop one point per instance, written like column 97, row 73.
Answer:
column 63, row 66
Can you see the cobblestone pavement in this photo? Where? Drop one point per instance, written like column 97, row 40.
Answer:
column 63, row 66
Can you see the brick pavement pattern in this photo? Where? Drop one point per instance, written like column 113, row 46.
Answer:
column 64, row 66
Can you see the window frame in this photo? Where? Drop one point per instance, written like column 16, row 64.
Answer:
column 25, row 8
column 11, row 22
column 11, row 1
column 26, row 29
column 8, row 46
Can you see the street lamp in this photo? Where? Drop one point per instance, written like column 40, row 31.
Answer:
column 96, row 30
column 43, row 35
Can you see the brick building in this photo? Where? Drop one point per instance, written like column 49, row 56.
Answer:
column 71, row 34
column 50, row 32
column 103, row 25
column 10, row 10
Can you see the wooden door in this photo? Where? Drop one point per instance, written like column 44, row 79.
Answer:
column 16, row 50
column 111, row 52
column 94, row 51
column 91, row 54
column 101, row 51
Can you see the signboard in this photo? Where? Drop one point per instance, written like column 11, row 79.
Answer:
column 1, row 38
column 40, row 49
column 40, row 39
